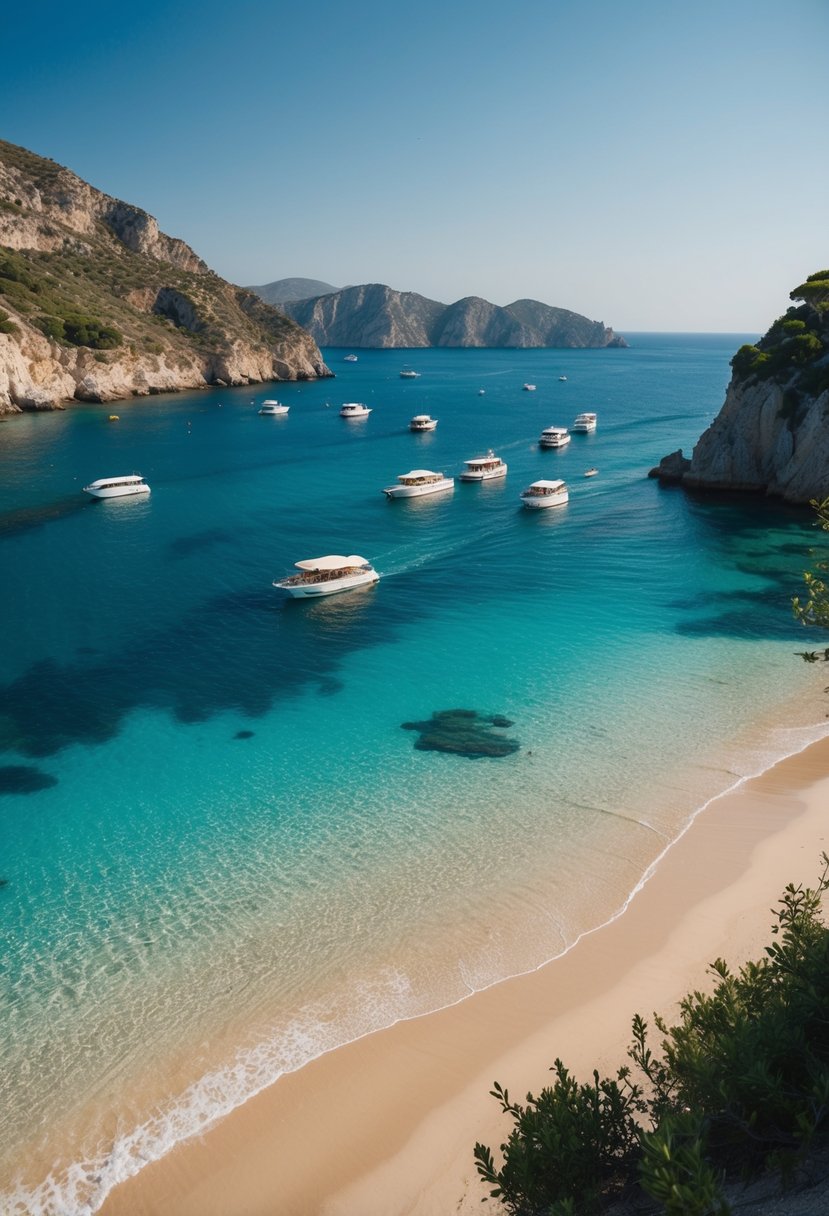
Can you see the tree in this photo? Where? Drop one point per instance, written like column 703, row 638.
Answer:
column 814, row 610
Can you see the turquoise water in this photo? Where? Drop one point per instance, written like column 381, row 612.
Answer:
column 221, row 853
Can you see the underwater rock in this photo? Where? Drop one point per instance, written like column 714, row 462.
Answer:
column 464, row 732
column 244, row 734
column 24, row 779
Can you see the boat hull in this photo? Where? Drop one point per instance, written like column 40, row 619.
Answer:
column 332, row 586
column 423, row 426
column 117, row 491
column 550, row 443
column 539, row 502
column 489, row 475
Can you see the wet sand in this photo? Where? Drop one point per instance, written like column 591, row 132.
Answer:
column 386, row 1126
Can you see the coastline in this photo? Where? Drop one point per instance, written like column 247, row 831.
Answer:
column 386, row 1124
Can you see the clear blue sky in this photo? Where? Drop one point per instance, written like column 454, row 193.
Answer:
column 650, row 164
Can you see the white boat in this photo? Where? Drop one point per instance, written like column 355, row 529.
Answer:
column 590, row 472
column 584, row 422
column 408, row 374
column 354, row 409
column 554, row 437
column 418, row 482
column 529, row 388
column 562, row 377
column 484, row 468
column 349, row 358
column 117, row 487
column 423, row 422
column 545, row 494
column 481, row 392
column 328, row 575
column 273, row 408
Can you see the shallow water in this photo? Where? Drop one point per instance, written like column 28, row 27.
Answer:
column 222, row 854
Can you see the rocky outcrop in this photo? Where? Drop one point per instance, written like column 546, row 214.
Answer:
column 772, row 434
column 374, row 315
column 97, row 304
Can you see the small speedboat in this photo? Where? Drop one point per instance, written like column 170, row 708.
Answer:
column 117, row 487
column 114, row 418
column 408, row 374
column 584, row 422
column 423, row 422
column 484, row 468
column 419, row 482
column 545, row 494
column 562, row 378
column 349, row 358
column 590, row 472
column 328, row 575
column 529, row 388
column 354, row 409
column 481, row 392
column 273, row 409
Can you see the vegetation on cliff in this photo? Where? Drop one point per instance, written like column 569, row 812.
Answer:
column 794, row 350
column 739, row 1085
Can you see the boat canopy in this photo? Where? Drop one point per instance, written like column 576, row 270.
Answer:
column 490, row 459
column 422, row 418
column 554, row 430
column 334, row 561
column 547, row 485
column 418, row 473
column 129, row 480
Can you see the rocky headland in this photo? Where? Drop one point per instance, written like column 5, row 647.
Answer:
column 96, row 304
column 772, row 434
column 373, row 315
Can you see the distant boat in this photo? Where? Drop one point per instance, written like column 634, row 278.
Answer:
column 423, row 422
column 354, row 409
column 554, row 437
column 408, row 374
column 349, row 358
column 584, row 423
column 117, row 487
column 562, row 377
column 529, row 388
column 484, row 468
column 590, row 472
column 273, row 409
column 481, row 392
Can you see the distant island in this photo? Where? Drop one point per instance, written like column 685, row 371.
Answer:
column 97, row 305
column 286, row 291
column 771, row 435
column 373, row 315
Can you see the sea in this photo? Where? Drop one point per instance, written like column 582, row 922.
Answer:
column 221, row 853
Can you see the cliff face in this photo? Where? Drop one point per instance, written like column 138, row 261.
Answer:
column 374, row 315
column 97, row 304
column 772, row 433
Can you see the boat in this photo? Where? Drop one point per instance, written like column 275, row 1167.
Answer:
column 590, row 472
column 117, row 487
column 349, row 358
column 529, row 388
column 328, row 575
column 408, row 374
column 562, row 378
column 273, row 408
column 419, row 482
column 423, row 422
column 554, row 437
column 354, row 409
column 545, row 494
column 584, row 422
column 484, row 468
column 114, row 418
column 481, row 392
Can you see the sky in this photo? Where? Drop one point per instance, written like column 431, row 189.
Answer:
column 653, row 165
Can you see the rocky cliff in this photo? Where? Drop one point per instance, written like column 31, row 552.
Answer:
column 772, row 433
column 97, row 304
column 374, row 315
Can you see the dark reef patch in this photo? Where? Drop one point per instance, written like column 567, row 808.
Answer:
column 464, row 732
column 244, row 734
column 24, row 779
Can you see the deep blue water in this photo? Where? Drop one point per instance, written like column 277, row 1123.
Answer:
column 221, row 854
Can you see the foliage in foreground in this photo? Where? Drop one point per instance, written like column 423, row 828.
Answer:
column 740, row 1084
column 814, row 610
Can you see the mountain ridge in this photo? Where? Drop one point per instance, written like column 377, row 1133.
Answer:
column 373, row 315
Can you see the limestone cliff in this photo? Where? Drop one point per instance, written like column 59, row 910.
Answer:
column 97, row 304
column 772, row 433
column 374, row 315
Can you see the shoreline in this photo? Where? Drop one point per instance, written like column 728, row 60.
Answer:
column 387, row 1123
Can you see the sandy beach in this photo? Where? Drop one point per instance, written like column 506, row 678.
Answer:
column 386, row 1125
